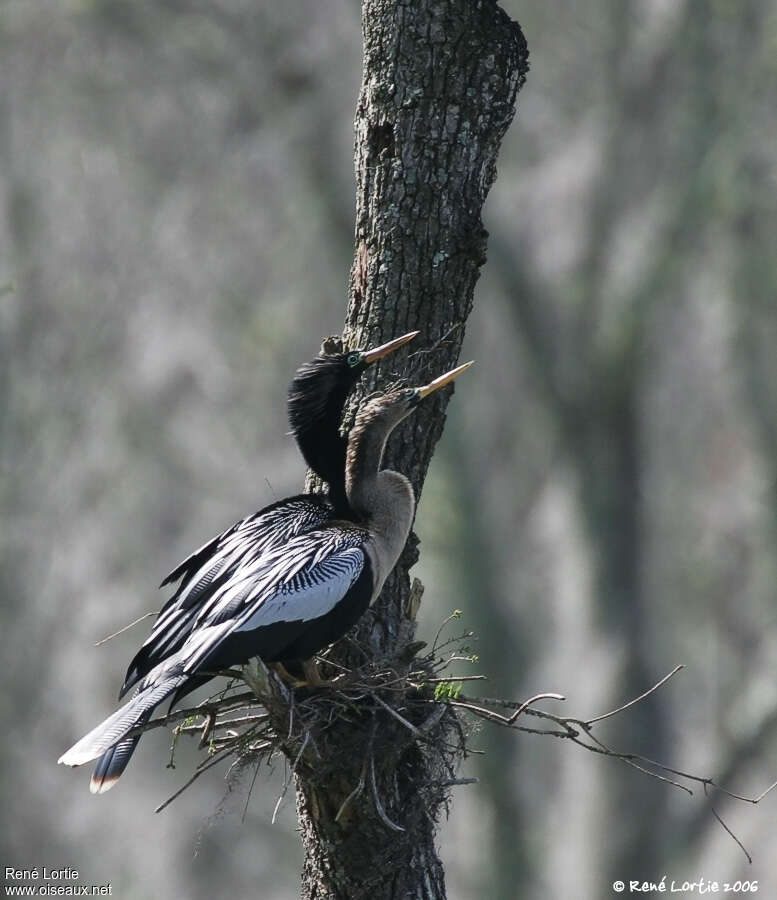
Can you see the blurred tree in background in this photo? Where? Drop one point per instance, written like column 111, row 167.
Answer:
column 177, row 218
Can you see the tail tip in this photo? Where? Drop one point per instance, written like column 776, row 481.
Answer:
column 100, row 785
column 74, row 757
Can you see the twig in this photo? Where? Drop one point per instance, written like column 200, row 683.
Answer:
column 247, row 698
column 629, row 760
column 207, row 728
column 354, row 793
column 491, row 716
column 267, row 732
column 242, row 720
column 202, row 768
column 456, row 614
column 527, row 703
column 620, row 709
column 432, row 720
column 454, row 678
column 378, row 805
column 287, row 782
column 761, row 795
column 409, row 725
column 291, row 717
column 418, row 364
column 715, row 813
column 105, row 640
column 250, row 791
column 479, row 707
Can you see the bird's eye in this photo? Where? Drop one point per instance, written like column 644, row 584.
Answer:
column 354, row 359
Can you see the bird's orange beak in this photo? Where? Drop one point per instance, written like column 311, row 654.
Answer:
column 372, row 356
column 442, row 380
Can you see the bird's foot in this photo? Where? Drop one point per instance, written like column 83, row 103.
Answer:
column 312, row 677
column 285, row 676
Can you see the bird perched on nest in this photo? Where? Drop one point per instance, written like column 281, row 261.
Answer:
column 290, row 601
column 316, row 399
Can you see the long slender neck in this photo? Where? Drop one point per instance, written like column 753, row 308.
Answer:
column 365, row 453
column 383, row 500
column 375, row 496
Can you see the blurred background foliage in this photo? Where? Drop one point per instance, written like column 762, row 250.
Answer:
column 175, row 236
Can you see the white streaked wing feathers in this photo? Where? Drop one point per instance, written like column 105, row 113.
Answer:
column 310, row 595
column 241, row 547
column 298, row 582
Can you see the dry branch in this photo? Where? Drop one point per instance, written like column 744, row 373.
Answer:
column 254, row 726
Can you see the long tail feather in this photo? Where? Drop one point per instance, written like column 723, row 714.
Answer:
column 111, row 765
column 111, row 732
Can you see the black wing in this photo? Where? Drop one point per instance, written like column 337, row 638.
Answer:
column 296, row 590
column 278, row 598
column 218, row 563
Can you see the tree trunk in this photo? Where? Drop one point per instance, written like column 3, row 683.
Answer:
column 439, row 88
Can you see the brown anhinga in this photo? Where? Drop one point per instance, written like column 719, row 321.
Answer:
column 291, row 601
column 315, row 403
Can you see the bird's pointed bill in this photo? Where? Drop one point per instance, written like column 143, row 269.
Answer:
column 442, row 380
column 372, row 356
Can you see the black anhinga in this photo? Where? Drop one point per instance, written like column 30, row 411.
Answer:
column 295, row 599
column 316, row 399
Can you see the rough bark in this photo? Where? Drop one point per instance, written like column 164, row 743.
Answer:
column 439, row 87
